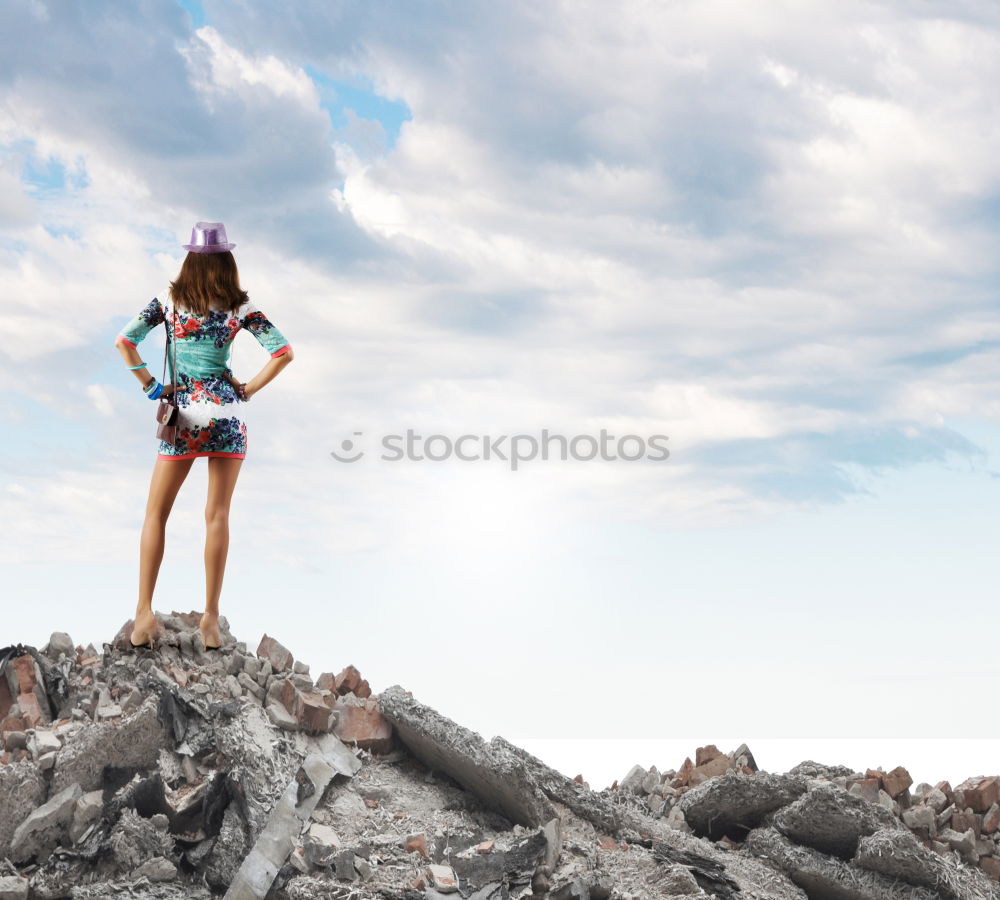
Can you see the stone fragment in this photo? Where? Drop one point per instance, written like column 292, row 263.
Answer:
column 442, row 878
column 276, row 654
column 157, row 869
column 43, row 741
column 14, row 887
column 85, row 813
column 416, row 842
column 46, row 827
column 60, row 643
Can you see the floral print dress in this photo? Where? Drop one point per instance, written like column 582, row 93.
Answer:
column 210, row 421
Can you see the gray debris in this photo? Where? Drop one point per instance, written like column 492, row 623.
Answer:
column 734, row 803
column 47, row 826
column 499, row 778
column 831, row 819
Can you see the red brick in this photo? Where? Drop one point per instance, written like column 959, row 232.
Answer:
column 896, row 781
column 703, row 754
column 348, row 680
column 991, row 866
column 681, row 778
column 276, row 654
column 991, row 819
column 869, row 788
column 31, row 711
column 326, row 682
column 961, row 821
column 484, row 847
column 24, row 669
column 980, row 793
column 6, row 698
column 417, row 842
column 315, row 715
column 945, row 788
column 366, row 726
column 363, row 690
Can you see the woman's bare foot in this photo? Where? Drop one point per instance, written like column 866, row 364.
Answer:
column 209, row 627
column 144, row 628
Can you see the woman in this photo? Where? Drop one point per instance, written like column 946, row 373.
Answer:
column 204, row 309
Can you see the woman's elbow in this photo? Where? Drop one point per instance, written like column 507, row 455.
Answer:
column 288, row 355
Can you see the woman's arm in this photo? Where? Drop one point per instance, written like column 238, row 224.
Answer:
column 131, row 356
column 270, row 371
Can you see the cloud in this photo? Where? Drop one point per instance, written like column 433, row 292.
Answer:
column 762, row 231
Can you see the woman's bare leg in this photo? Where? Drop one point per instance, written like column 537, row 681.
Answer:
column 222, row 474
column 168, row 476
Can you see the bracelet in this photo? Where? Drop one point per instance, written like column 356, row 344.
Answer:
column 154, row 390
column 140, row 366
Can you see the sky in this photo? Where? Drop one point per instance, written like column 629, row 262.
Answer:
column 738, row 258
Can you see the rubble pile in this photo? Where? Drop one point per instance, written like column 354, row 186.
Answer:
column 186, row 772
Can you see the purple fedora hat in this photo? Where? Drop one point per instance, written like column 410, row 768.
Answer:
column 208, row 237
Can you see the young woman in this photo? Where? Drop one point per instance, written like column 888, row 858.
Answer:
column 204, row 310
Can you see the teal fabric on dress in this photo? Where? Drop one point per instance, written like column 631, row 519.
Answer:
column 211, row 423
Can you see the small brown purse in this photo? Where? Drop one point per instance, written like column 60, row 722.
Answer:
column 167, row 413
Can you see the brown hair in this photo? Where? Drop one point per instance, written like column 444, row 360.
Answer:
column 208, row 279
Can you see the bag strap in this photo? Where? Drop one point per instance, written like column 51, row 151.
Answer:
column 171, row 339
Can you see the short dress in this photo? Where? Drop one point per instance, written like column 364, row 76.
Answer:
column 209, row 415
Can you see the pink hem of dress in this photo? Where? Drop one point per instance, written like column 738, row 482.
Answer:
column 202, row 453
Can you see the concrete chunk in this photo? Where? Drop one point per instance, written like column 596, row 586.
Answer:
column 46, row 827
column 734, row 803
column 498, row 778
column 833, row 820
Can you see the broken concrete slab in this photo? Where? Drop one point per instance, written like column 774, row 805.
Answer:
column 135, row 741
column 256, row 874
column 581, row 800
column 830, row 819
column 899, row 854
column 500, row 779
column 734, row 803
column 827, row 876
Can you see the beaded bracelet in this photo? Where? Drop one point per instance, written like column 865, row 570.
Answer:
column 140, row 366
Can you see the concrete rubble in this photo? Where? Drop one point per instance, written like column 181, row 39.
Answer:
column 183, row 772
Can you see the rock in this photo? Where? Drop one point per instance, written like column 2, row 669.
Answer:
column 85, row 813
column 43, row 741
column 633, row 779
column 46, row 827
column 157, row 869
column 276, row 654
column 59, row 643
column 13, row 887
column 442, row 878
